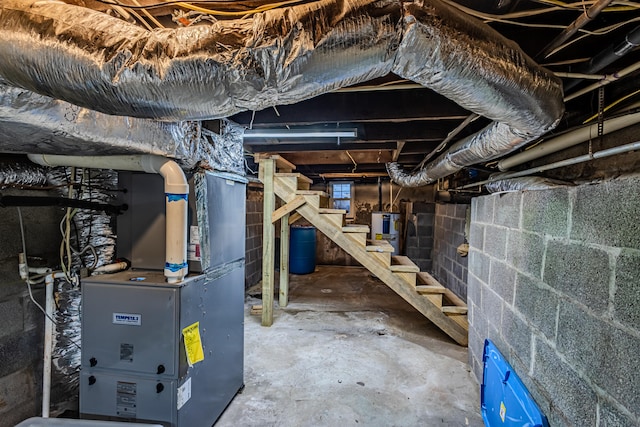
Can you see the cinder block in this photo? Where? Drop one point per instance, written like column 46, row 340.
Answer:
column 457, row 270
column 627, row 297
column 424, row 264
column 569, row 394
column 425, row 219
column 546, row 211
column 502, row 280
column 495, row 241
column 517, row 334
column 479, row 265
column 612, row 417
column 580, row 272
column 461, row 210
column 412, row 242
column 480, row 323
column 537, row 304
column 491, row 306
column 507, row 210
column 608, row 356
column 607, row 213
column 476, row 236
column 11, row 315
column 413, row 253
column 476, row 347
column 19, row 350
column 425, row 242
column 474, row 290
column 423, row 207
column 484, row 209
column 524, row 252
column 457, row 225
column 448, row 224
column 16, row 389
column 426, row 231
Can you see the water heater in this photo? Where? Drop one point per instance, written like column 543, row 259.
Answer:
column 387, row 226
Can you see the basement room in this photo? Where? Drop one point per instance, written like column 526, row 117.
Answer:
column 320, row 213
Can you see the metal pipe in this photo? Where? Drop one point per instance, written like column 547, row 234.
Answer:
column 6, row 201
column 586, row 17
column 568, row 162
column 48, row 341
column 608, row 79
column 607, row 56
column 567, row 140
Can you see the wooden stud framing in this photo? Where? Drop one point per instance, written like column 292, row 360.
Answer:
column 266, row 170
column 284, row 260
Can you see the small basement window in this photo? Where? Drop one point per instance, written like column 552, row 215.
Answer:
column 342, row 196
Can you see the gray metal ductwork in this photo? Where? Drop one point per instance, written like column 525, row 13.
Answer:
column 283, row 56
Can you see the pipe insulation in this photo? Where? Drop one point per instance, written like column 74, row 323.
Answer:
column 283, row 56
column 176, row 190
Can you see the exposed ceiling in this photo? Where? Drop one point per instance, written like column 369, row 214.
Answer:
column 398, row 120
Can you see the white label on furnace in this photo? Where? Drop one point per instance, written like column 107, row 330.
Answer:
column 229, row 182
column 194, row 235
column 127, row 319
column 184, row 393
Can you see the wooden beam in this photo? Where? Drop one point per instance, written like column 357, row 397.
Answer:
column 338, row 175
column 413, row 104
column 284, row 259
column 266, row 171
column 288, row 208
column 294, row 217
column 397, row 151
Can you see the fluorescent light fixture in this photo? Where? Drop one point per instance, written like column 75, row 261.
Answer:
column 286, row 133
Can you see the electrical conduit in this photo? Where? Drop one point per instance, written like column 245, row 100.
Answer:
column 176, row 189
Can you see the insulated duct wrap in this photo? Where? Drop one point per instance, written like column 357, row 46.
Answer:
column 524, row 184
column 32, row 123
column 21, row 174
column 283, row 56
column 89, row 228
column 279, row 56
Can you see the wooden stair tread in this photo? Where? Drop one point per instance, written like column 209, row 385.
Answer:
column 331, row 211
column 430, row 289
column 281, row 163
column 355, row 228
column 403, row 264
column 427, row 279
column 379, row 246
column 296, row 175
column 311, row 193
column 454, row 309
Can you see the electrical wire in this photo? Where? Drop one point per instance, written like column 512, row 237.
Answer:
column 28, row 281
column 259, row 9
column 610, row 106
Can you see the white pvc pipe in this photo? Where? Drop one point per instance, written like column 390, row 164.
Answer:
column 567, row 140
column 48, row 342
column 176, row 190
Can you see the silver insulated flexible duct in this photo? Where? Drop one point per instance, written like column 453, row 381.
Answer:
column 282, row 56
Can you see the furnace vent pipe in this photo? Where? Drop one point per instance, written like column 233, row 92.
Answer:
column 567, row 140
column 176, row 190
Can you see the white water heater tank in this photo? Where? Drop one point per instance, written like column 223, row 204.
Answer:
column 387, row 226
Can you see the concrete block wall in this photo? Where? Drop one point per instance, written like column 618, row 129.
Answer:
column 554, row 281
column 420, row 232
column 21, row 334
column 449, row 267
column 253, row 238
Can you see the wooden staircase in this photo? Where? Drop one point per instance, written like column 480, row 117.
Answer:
column 420, row 289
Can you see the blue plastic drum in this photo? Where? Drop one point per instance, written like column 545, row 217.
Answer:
column 302, row 249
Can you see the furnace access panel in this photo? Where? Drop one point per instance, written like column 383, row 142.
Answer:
column 152, row 351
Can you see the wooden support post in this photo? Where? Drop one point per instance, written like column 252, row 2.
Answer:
column 266, row 171
column 284, row 261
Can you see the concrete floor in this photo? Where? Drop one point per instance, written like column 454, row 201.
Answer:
column 347, row 351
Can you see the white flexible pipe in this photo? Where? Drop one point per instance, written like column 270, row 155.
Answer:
column 48, row 342
column 567, row 140
column 111, row 268
column 176, row 190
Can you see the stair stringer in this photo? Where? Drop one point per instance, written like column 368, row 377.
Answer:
column 397, row 284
